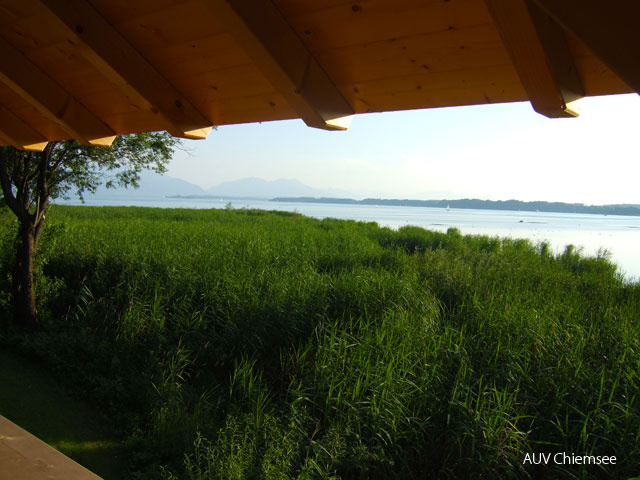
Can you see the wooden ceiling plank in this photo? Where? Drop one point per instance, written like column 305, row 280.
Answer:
column 540, row 54
column 609, row 29
column 39, row 90
column 497, row 84
column 4, row 140
column 466, row 48
column 17, row 133
column 285, row 61
column 598, row 79
column 112, row 55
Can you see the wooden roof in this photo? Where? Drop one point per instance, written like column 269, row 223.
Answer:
column 91, row 69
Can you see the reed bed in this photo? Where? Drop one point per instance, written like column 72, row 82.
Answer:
column 243, row 344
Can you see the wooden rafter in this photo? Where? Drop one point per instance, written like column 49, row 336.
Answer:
column 112, row 55
column 15, row 132
column 275, row 48
column 609, row 29
column 43, row 93
column 240, row 61
column 540, row 54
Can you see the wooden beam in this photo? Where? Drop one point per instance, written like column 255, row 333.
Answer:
column 609, row 29
column 17, row 133
column 112, row 55
column 275, row 48
column 540, row 54
column 43, row 93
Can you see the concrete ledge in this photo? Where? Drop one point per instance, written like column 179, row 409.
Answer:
column 25, row 457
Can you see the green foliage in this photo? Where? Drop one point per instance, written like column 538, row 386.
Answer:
column 242, row 344
column 8, row 229
column 73, row 168
column 30, row 180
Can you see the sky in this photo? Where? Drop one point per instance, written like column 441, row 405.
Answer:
column 495, row 152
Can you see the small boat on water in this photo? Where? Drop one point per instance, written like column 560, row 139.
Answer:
column 448, row 207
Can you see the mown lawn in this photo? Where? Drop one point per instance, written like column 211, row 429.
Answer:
column 250, row 344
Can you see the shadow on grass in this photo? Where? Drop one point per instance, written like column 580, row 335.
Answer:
column 32, row 399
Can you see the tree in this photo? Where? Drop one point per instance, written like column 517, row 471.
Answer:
column 30, row 180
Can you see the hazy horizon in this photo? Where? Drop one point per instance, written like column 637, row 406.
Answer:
column 494, row 152
column 153, row 184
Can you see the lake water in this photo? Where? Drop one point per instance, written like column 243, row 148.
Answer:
column 619, row 235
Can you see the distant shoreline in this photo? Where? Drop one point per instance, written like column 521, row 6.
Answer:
column 512, row 205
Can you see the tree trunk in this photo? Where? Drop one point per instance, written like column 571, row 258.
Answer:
column 24, row 296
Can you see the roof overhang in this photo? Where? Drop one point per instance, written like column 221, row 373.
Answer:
column 92, row 69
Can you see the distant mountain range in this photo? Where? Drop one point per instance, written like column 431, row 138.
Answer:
column 154, row 185
column 256, row 187
column 288, row 190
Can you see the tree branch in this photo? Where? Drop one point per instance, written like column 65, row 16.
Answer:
column 42, row 191
column 5, row 182
column 61, row 158
column 39, row 225
column 24, row 191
